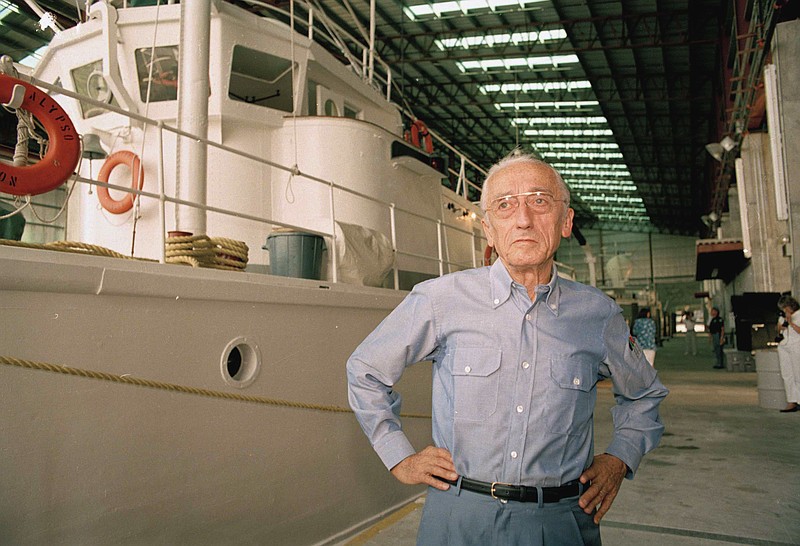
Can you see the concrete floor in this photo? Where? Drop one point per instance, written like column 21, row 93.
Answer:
column 726, row 472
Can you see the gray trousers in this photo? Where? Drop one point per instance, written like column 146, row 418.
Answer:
column 463, row 518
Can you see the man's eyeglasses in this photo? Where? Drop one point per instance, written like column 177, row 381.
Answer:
column 538, row 202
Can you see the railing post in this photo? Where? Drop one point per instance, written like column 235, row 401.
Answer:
column 474, row 240
column 394, row 246
column 439, row 241
column 162, row 208
column 310, row 23
column 332, row 251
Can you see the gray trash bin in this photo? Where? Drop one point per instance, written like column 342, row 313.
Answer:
column 295, row 254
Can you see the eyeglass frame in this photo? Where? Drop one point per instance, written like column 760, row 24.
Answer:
column 524, row 194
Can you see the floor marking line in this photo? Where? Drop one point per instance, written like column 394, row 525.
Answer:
column 694, row 534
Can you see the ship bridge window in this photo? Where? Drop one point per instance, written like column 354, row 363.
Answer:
column 157, row 70
column 90, row 81
column 351, row 111
column 261, row 79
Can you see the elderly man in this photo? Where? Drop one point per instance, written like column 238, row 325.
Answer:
column 517, row 352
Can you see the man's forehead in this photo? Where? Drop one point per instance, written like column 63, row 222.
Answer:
column 523, row 178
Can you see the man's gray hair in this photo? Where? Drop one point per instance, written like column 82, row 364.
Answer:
column 517, row 158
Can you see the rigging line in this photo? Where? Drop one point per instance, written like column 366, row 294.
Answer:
column 173, row 387
column 138, row 174
column 289, row 191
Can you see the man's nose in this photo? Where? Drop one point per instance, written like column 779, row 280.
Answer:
column 523, row 215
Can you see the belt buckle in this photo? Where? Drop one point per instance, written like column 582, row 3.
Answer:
column 491, row 491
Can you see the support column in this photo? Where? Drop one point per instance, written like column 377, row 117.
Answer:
column 786, row 56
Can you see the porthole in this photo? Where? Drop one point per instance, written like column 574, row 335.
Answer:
column 240, row 363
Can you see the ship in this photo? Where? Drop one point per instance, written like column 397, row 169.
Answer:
column 241, row 208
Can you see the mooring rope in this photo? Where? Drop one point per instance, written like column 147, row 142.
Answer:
column 172, row 387
column 71, row 246
column 196, row 251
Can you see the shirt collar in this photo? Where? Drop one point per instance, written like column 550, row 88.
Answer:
column 500, row 282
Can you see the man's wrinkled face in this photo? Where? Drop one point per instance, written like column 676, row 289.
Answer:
column 527, row 238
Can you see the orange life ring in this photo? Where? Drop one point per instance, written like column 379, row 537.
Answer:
column 487, row 255
column 420, row 135
column 63, row 150
column 123, row 157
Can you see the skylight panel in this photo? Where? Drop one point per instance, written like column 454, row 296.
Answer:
column 33, row 59
column 455, row 7
column 547, row 87
column 7, row 8
column 578, row 145
column 568, row 132
column 591, row 166
column 570, row 120
column 490, row 40
column 556, row 105
column 509, row 63
column 582, row 155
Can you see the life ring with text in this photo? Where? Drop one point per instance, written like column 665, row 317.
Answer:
column 63, row 149
column 421, row 137
column 487, row 255
column 123, row 157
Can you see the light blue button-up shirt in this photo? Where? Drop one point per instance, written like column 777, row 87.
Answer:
column 514, row 381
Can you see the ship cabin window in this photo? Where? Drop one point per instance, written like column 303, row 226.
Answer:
column 351, row 111
column 312, row 98
column 330, row 108
column 157, row 70
column 261, row 79
column 90, row 81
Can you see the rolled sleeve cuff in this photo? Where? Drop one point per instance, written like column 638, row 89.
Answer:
column 627, row 453
column 393, row 448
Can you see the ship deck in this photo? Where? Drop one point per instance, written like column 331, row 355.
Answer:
column 726, row 472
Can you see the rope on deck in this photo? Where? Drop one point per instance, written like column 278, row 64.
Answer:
column 71, row 246
column 172, row 387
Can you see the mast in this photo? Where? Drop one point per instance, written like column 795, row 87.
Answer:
column 193, row 90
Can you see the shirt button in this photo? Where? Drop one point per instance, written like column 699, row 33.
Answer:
column 528, row 316
column 553, row 306
column 576, row 381
column 496, row 302
column 467, row 369
column 525, row 365
column 513, row 454
column 519, row 409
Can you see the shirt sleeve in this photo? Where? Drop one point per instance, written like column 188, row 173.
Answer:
column 406, row 336
column 638, row 392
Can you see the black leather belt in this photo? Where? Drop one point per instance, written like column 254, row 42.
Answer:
column 520, row 493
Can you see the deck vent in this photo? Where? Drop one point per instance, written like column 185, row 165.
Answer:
column 240, row 363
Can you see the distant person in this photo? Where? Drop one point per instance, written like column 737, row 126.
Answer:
column 644, row 330
column 716, row 327
column 517, row 352
column 789, row 351
column 691, row 335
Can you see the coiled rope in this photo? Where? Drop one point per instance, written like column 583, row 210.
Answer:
column 172, row 387
column 204, row 251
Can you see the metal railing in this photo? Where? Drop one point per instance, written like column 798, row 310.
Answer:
column 332, row 187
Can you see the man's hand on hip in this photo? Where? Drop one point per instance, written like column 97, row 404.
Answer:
column 425, row 467
column 606, row 474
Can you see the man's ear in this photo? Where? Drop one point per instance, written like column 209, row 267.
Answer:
column 566, row 229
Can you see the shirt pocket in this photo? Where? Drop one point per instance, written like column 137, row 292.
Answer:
column 476, row 382
column 570, row 394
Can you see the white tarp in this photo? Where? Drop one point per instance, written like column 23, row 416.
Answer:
column 364, row 256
